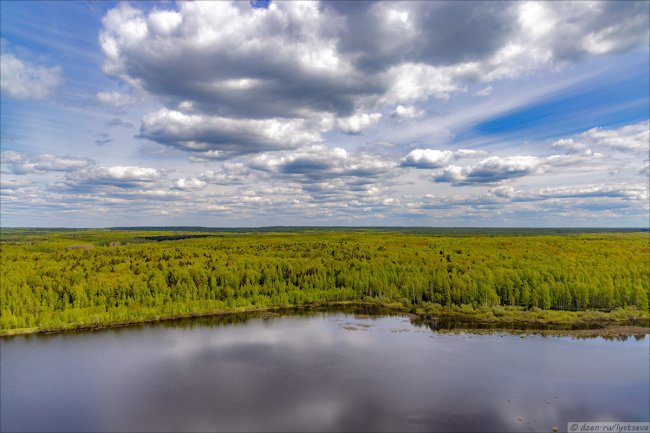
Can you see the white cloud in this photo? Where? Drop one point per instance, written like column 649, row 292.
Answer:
column 230, row 174
column 188, row 184
column 490, row 170
column 427, row 158
column 570, row 144
column 115, row 99
column 303, row 61
column 524, row 205
column 21, row 79
column 628, row 138
column 319, row 162
column 486, row 91
column 358, row 122
column 219, row 178
column 233, row 60
column 620, row 35
column 469, row 153
column 229, row 137
column 129, row 173
column 117, row 176
column 552, row 33
column 164, row 22
column 580, row 158
column 407, row 112
column 433, row 158
column 326, row 173
column 634, row 192
column 21, row 163
column 412, row 82
column 246, row 100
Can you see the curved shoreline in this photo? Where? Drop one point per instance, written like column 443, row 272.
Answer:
column 482, row 321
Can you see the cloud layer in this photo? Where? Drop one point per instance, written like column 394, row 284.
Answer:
column 22, row 79
column 490, row 170
column 630, row 138
column 226, row 137
column 332, row 112
column 249, row 79
column 433, row 158
column 20, row 163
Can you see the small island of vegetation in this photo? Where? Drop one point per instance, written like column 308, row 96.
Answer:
column 53, row 280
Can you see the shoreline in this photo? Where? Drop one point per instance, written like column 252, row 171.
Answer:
column 511, row 320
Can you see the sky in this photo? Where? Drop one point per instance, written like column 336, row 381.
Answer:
column 266, row 113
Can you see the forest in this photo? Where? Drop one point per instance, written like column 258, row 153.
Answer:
column 62, row 279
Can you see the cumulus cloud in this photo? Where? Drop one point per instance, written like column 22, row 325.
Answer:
column 506, row 200
column 490, row 170
column 188, row 184
column 113, row 176
column 628, row 192
column 250, row 95
column 567, row 31
column 226, row 137
column 324, row 172
column 228, row 62
column 219, row 178
column 427, row 158
column 408, row 112
column 358, row 122
column 381, row 35
column 230, row 174
column 412, row 82
column 235, row 61
column 433, row 158
column 21, row 163
column 21, row 79
column 629, row 138
column 496, row 169
column 317, row 162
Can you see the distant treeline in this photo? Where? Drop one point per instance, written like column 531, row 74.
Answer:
column 447, row 231
column 160, row 238
column 95, row 277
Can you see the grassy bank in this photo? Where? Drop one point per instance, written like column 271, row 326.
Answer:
column 628, row 321
column 513, row 316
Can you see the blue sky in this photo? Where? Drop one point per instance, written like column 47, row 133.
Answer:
column 325, row 113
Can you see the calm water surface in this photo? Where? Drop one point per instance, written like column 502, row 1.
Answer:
column 316, row 372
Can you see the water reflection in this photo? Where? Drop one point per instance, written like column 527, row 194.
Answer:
column 316, row 371
column 446, row 324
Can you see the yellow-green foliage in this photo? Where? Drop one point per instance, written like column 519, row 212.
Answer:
column 56, row 279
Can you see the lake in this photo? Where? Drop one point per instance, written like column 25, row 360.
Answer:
column 317, row 371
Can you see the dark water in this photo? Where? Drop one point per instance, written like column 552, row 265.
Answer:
column 316, row 372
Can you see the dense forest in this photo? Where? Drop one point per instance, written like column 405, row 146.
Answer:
column 54, row 279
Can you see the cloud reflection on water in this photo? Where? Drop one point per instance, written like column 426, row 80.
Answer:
column 315, row 373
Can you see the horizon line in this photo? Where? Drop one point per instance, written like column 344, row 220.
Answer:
column 148, row 227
